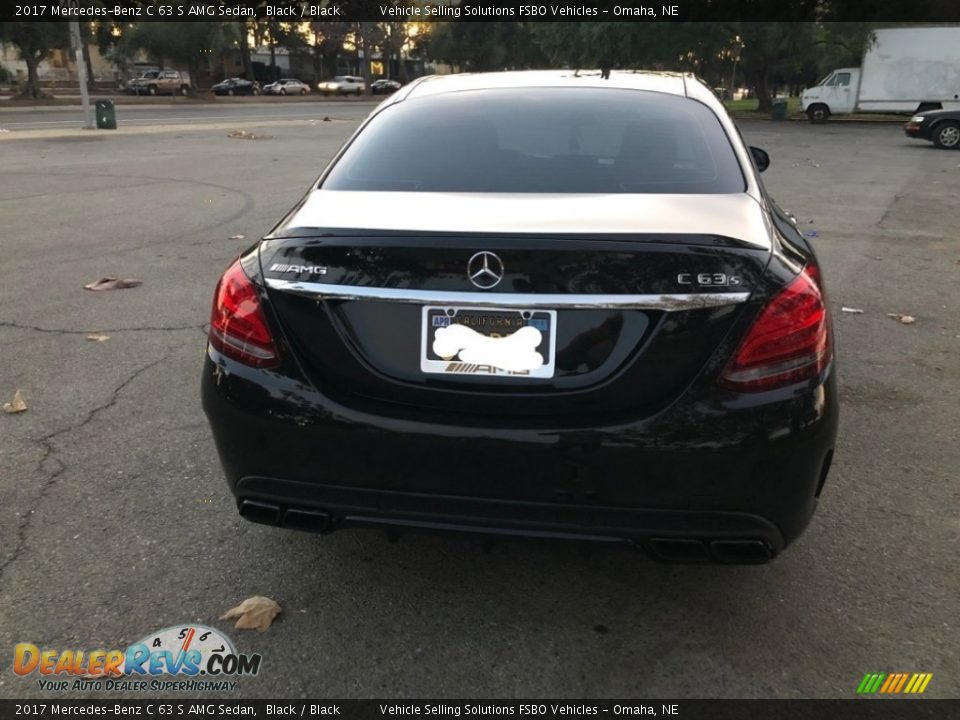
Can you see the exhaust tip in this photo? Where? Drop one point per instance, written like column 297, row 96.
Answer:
column 309, row 520
column 741, row 551
column 259, row 512
column 679, row 550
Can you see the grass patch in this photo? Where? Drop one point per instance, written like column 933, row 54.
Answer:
column 750, row 105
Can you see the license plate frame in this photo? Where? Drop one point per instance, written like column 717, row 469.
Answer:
column 432, row 318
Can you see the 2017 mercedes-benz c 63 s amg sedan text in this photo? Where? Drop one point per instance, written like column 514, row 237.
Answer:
column 536, row 303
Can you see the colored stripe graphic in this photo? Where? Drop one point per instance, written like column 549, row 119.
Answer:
column 870, row 683
column 894, row 683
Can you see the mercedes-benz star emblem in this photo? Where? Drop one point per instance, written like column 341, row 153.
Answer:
column 485, row 270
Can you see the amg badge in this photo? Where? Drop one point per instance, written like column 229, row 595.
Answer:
column 309, row 269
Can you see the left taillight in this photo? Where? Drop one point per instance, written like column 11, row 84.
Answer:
column 238, row 327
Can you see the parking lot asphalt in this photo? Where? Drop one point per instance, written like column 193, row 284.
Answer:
column 115, row 520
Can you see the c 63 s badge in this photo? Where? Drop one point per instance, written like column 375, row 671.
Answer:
column 715, row 279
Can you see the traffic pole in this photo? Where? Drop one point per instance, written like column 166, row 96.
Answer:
column 76, row 43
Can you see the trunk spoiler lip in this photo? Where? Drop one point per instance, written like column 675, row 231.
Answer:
column 667, row 302
column 317, row 236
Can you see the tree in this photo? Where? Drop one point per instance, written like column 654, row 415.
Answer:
column 395, row 36
column 328, row 38
column 243, row 30
column 183, row 43
column 486, row 46
column 35, row 41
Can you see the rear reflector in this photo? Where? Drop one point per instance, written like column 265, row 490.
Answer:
column 789, row 341
column 238, row 327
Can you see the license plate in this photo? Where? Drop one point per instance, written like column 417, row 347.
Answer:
column 488, row 343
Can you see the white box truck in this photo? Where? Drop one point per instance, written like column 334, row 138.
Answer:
column 908, row 69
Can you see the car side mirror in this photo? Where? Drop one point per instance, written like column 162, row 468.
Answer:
column 760, row 158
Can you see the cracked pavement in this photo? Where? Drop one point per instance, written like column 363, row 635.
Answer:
column 115, row 520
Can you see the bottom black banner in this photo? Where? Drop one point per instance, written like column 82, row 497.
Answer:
column 902, row 709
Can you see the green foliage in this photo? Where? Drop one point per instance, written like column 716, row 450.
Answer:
column 181, row 44
column 34, row 41
column 485, row 46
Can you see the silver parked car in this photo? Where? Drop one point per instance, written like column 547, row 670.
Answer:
column 286, row 86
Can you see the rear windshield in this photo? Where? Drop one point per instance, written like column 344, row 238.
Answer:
column 542, row 140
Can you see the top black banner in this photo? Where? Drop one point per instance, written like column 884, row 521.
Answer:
column 921, row 11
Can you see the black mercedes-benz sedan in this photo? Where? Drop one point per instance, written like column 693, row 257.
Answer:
column 550, row 304
column 941, row 127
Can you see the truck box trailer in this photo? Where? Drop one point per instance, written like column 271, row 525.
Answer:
column 906, row 70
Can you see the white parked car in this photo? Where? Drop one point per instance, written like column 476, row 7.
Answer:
column 343, row 85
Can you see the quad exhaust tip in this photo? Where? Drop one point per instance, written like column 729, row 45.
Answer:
column 293, row 518
column 747, row 551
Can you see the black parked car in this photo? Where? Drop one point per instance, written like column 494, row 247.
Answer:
column 237, row 86
column 384, row 86
column 941, row 127
column 575, row 313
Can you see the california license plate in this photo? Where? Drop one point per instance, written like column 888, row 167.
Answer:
column 484, row 342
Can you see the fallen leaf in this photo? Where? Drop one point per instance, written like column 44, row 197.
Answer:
column 905, row 319
column 17, row 406
column 851, row 310
column 98, row 337
column 244, row 135
column 237, row 237
column 254, row 613
column 112, row 283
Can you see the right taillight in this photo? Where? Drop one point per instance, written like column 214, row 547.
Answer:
column 238, row 327
column 787, row 343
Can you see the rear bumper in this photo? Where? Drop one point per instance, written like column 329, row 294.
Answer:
column 741, row 470
column 668, row 534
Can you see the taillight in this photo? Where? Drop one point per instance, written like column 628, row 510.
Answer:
column 788, row 342
column 238, row 327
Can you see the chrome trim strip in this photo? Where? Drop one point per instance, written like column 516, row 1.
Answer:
column 670, row 302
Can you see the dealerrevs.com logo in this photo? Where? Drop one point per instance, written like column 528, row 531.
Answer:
column 182, row 657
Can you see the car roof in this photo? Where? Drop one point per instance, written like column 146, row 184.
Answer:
column 664, row 82
column 671, row 83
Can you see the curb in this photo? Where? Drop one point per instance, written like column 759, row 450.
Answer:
column 834, row 120
column 131, row 130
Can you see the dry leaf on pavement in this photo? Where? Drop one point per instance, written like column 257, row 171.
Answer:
column 17, row 406
column 112, row 283
column 254, row 613
column 244, row 135
column 905, row 319
column 237, row 237
column 98, row 337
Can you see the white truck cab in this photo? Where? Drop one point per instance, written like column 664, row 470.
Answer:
column 834, row 95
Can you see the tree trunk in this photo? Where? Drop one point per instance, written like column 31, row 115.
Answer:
column 761, row 85
column 402, row 68
column 91, row 85
column 32, row 88
column 245, row 52
column 365, row 69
